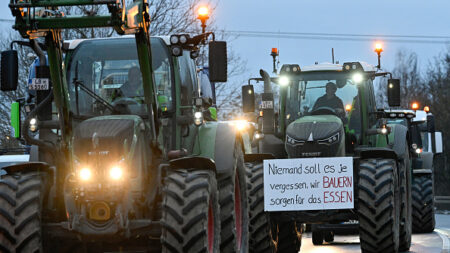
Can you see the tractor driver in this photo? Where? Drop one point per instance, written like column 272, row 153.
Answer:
column 131, row 88
column 330, row 99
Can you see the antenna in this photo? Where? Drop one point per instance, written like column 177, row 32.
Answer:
column 332, row 55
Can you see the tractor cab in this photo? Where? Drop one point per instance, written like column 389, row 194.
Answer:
column 323, row 106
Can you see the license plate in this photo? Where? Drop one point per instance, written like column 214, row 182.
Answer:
column 266, row 105
column 39, row 84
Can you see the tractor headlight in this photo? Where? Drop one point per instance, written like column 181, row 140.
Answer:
column 198, row 118
column 357, row 77
column 258, row 136
column 85, row 174
column 33, row 125
column 284, row 81
column 294, row 142
column 116, row 173
column 330, row 140
column 240, row 125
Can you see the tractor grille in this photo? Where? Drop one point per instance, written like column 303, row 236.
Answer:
column 105, row 135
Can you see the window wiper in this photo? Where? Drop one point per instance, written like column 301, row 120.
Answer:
column 92, row 94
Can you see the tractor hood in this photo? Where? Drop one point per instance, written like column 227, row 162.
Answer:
column 106, row 138
column 314, row 136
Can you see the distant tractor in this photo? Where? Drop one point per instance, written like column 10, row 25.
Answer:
column 129, row 162
column 309, row 138
column 419, row 126
column 428, row 143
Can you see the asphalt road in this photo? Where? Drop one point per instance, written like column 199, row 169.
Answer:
column 436, row 242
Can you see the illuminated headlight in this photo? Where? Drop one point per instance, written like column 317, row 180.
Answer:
column 284, row 81
column 198, row 118
column 330, row 140
column 293, row 142
column 240, row 125
column 258, row 136
column 33, row 125
column 116, row 173
column 85, row 174
column 357, row 78
column 384, row 130
column 418, row 150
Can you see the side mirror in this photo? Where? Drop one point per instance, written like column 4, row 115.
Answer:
column 438, row 142
column 9, row 70
column 248, row 98
column 218, row 61
column 15, row 119
column 393, row 92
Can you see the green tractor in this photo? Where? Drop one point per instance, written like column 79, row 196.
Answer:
column 426, row 144
column 129, row 161
column 336, row 158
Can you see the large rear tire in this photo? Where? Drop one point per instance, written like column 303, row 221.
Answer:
column 423, row 204
column 406, row 206
column 234, row 206
column 190, row 212
column 260, row 233
column 21, row 201
column 379, row 205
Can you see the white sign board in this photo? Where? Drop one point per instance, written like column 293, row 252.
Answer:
column 308, row 184
column 39, row 84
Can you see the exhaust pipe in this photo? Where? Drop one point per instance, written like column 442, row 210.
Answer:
column 267, row 84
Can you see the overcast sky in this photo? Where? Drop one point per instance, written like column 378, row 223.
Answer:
column 386, row 17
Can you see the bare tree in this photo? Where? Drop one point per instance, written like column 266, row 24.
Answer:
column 411, row 81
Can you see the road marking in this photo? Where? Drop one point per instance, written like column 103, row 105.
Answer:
column 445, row 240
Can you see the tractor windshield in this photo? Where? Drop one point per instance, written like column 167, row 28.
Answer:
column 324, row 93
column 104, row 77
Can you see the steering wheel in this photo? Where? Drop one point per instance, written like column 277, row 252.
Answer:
column 121, row 104
column 324, row 110
column 125, row 101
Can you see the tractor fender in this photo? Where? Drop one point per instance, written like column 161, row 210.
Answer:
column 10, row 160
column 193, row 162
column 217, row 140
column 376, row 152
column 28, row 167
column 250, row 158
column 225, row 141
column 399, row 139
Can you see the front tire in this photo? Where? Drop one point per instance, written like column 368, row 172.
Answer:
column 423, row 204
column 379, row 205
column 21, row 201
column 190, row 212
